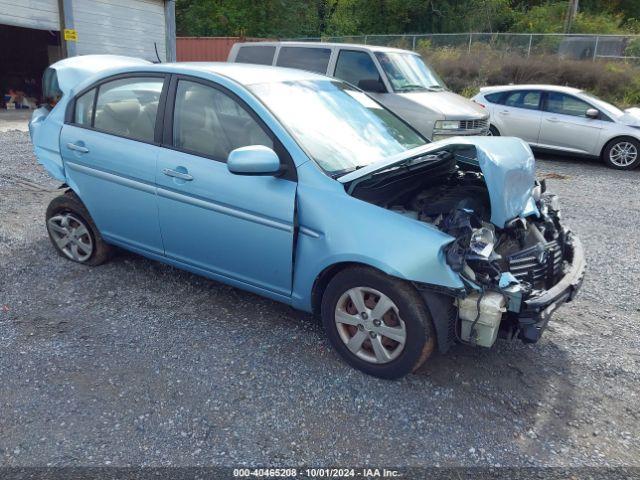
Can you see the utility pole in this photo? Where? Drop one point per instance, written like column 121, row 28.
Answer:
column 572, row 11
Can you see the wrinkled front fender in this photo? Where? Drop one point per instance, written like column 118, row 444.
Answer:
column 337, row 228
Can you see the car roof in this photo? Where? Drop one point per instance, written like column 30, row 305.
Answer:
column 372, row 48
column 506, row 88
column 246, row 73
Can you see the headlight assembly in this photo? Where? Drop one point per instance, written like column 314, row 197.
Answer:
column 447, row 124
column 482, row 242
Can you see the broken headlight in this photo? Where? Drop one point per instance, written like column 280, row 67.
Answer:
column 482, row 242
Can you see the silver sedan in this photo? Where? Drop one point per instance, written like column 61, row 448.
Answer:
column 566, row 120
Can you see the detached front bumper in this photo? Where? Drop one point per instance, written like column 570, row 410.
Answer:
column 537, row 309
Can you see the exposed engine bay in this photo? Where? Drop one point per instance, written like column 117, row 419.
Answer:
column 501, row 266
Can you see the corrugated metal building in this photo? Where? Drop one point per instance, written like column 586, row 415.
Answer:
column 36, row 33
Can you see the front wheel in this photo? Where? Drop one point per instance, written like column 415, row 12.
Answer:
column 493, row 131
column 377, row 323
column 622, row 153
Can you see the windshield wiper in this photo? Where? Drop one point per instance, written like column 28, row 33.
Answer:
column 340, row 173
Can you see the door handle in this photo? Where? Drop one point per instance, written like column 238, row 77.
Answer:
column 77, row 148
column 504, row 112
column 172, row 173
column 552, row 120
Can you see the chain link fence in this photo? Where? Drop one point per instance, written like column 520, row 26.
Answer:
column 571, row 46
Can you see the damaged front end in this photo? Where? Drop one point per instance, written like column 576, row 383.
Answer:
column 517, row 261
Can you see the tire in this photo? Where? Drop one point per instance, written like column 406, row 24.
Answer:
column 622, row 153
column 493, row 131
column 407, row 312
column 67, row 215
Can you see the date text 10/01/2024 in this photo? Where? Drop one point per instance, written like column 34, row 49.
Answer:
column 316, row 472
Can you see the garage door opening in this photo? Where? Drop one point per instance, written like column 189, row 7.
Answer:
column 26, row 54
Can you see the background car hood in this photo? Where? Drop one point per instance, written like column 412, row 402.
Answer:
column 507, row 163
column 631, row 117
column 449, row 104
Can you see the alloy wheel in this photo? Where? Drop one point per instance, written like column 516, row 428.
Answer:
column 71, row 236
column 623, row 154
column 369, row 324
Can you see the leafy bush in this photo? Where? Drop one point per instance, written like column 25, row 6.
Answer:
column 618, row 83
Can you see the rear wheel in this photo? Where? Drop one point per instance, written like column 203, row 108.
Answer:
column 73, row 233
column 377, row 323
column 622, row 153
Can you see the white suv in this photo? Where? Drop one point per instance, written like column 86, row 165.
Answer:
column 399, row 79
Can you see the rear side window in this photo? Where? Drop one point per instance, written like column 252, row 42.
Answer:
column 305, row 58
column 353, row 66
column 128, row 107
column 83, row 114
column 261, row 55
column 208, row 122
column 528, row 99
column 494, row 97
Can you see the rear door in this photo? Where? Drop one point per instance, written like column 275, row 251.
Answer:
column 110, row 151
column 519, row 114
column 236, row 227
column 566, row 126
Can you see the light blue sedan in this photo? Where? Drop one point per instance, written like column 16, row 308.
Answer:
column 305, row 190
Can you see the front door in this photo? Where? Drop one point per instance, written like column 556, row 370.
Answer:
column 233, row 226
column 110, row 159
column 566, row 126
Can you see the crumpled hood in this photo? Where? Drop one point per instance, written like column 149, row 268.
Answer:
column 631, row 117
column 449, row 104
column 507, row 163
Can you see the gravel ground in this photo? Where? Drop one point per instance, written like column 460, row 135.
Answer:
column 137, row 363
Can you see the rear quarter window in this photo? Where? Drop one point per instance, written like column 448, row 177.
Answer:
column 494, row 97
column 305, row 58
column 260, row 55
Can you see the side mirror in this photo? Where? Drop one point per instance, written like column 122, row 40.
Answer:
column 592, row 113
column 253, row 160
column 372, row 85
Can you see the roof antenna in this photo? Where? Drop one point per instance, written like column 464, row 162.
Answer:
column 155, row 45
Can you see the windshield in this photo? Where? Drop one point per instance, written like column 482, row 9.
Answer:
column 604, row 106
column 340, row 127
column 407, row 72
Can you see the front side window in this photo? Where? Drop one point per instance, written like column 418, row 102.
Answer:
column 566, row 104
column 305, row 58
column 83, row 114
column 523, row 99
column 259, row 54
column 208, row 122
column 128, row 107
column 340, row 127
column 354, row 66
column 407, row 72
